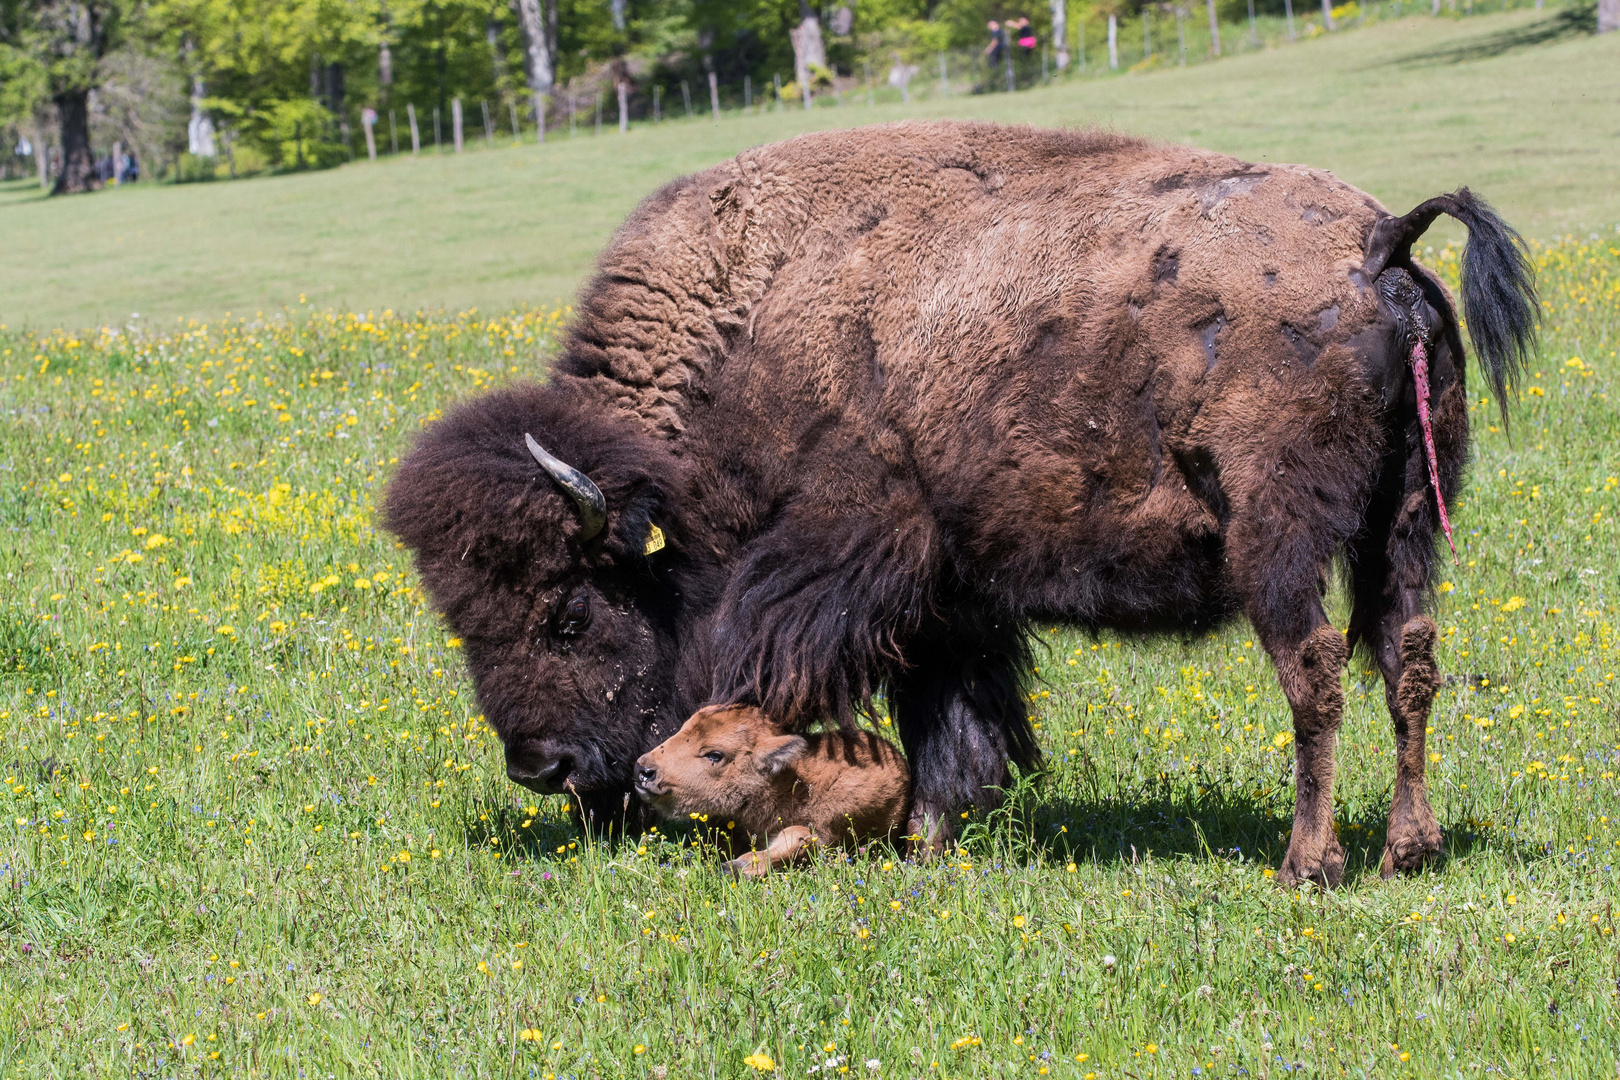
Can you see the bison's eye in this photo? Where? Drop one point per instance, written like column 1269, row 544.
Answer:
column 715, row 756
column 574, row 616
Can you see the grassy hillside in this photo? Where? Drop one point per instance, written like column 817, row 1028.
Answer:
column 1521, row 106
column 257, row 827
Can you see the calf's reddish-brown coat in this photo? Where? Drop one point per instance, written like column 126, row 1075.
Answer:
column 777, row 791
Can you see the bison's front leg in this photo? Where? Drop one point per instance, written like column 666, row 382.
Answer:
column 1309, row 672
column 960, row 712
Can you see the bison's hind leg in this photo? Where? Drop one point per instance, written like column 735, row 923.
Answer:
column 1413, row 835
column 1310, row 678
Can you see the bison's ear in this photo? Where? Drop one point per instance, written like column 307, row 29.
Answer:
column 637, row 532
column 778, row 752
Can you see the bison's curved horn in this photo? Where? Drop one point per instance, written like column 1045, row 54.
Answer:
column 586, row 495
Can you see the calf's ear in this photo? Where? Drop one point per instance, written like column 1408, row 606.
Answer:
column 778, row 752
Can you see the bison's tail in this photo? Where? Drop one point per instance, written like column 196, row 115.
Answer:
column 1498, row 281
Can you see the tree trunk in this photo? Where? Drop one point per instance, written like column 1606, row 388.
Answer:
column 807, row 49
column 623, row 86
column 42, row 162
column 1608, row 15
column 1113, row 41
column 1060, row 32
column 1214, row 29
column 78, row 164
column 1327, row 15
column 537, row 65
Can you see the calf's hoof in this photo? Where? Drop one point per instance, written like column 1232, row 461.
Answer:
column 1325, row 872
column 751, row 865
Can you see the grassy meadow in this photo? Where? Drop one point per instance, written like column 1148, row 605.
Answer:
column 1519, row 105
column 255, row 825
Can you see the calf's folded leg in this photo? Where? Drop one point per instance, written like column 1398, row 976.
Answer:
column 784, row 847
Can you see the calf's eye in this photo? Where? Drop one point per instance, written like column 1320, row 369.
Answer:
column 715, row 756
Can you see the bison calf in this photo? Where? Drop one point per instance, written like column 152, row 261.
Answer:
column 778, row 789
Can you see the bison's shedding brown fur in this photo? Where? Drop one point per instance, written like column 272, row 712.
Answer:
column 894, row 395
column 779, row 792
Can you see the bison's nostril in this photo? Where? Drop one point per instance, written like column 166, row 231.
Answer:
column 539, row 771
column 646, row 775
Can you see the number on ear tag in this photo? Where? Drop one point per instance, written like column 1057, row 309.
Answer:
column 655, row 540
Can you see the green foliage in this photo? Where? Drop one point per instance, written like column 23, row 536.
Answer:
column 297, row 134
column 54, row 47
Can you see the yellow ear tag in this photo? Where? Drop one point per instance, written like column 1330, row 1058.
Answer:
column 655, row 540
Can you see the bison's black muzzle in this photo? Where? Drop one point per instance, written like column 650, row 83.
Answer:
column 542, row 771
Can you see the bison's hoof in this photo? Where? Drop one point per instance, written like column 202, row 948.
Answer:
column 1325, row 872
column 1408, row 853
column 928, row 835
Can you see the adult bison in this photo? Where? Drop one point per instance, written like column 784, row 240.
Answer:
column 853, row 411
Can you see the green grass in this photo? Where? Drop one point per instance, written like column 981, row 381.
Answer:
column 1518, row 105
column 252, row 810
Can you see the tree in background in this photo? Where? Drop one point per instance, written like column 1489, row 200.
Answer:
column 1608, row 15
column 537, row 21
column 55, row 50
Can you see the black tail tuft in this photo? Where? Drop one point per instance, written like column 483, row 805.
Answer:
column 1498, row 281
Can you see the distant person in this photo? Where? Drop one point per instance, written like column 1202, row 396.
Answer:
column 132, row 170
column 998, row 43
column 1024, row 34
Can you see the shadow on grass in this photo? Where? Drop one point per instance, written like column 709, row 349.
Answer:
column 1579, row 20
column 1197, row 814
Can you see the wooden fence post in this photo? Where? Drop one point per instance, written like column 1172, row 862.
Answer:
column 455, row 122
column 489, row 125
column 658, row 94
column 416, row 137
column 686, row 96
column 623, row 86
column 1214, row 29
column 1113, row 41
column 393, row 133
column 714, row 95
column 368, row 120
